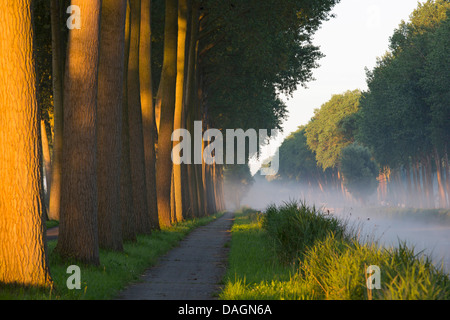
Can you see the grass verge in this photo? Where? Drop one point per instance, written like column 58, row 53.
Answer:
column 296, row 253
column 116, row 271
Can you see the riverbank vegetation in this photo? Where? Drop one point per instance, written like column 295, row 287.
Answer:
column 296, row 252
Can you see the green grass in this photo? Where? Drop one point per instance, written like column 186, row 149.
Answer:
column 295, row 227
column 330, row 264
column 116, row 271
column 51, row 224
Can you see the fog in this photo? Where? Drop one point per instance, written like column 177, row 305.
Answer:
column 428, row 235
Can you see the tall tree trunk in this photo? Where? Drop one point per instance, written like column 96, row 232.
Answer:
column 148, row 111
column 201, row 167
column 210, row 189
column 426, row 185
column 128, row 215
column 22, row 229
column 430, row 181
column 420, row 188
column 137, row 152
column 190, row 105
column 179, row 103
column 47, row 163
column 441, row 188
column 166, row 98
column 415, row 193
column 447, row 176
column 109, row 125
column 417, row 184
column 218, row 187
column 399, row 187
column 78, row 234
column 57, row 78
column 409, row 195
column 173, row 217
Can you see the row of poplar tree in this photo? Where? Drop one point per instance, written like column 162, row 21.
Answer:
column 395, row 135
column 111, row 94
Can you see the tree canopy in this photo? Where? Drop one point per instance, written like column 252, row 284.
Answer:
column 325, row 134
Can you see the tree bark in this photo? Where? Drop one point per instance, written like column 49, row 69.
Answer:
column 166, row 98
column 179, row 104
column 447, row 176
column 426, row 185
column 148, row 111
column 57, row 78
column 78, row 234
column 441, row 188
column 22, row 230
column 417, row 182
column 128, row 215
column 190, row 107
column 137, row 153
column 430, row 181
column 109, row 128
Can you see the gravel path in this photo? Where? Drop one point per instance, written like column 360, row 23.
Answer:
column 191, row 271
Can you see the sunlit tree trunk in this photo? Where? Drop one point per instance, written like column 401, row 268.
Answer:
column 57, row 79
column 137, row 152
column 189, row 106
column 128, row 215
column 415, row 185
column 22, row 230
column 441, row 188
column 201, row 184
column 78, row 235
column 179, row 103
column 166, row 100
column 426, row 186
column 430, row 179
column 148, row 111
column 420, row 194
column 109, row 128
column 173, row 217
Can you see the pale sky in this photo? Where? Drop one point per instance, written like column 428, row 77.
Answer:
column 351, row 41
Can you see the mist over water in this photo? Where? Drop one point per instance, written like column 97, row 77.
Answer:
column 427, row 234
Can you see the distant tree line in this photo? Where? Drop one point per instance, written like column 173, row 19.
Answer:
column 402, row 120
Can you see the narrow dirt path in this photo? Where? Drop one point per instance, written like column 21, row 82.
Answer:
column 191, row 271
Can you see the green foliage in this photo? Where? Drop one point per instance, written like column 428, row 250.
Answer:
column 360, row 170
column 250, row 51
column 436, row 80
column 297, row 161
column 294, row 227
column 405, row 113
column 335, row 270
column 332, row 267
column 324, row 134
